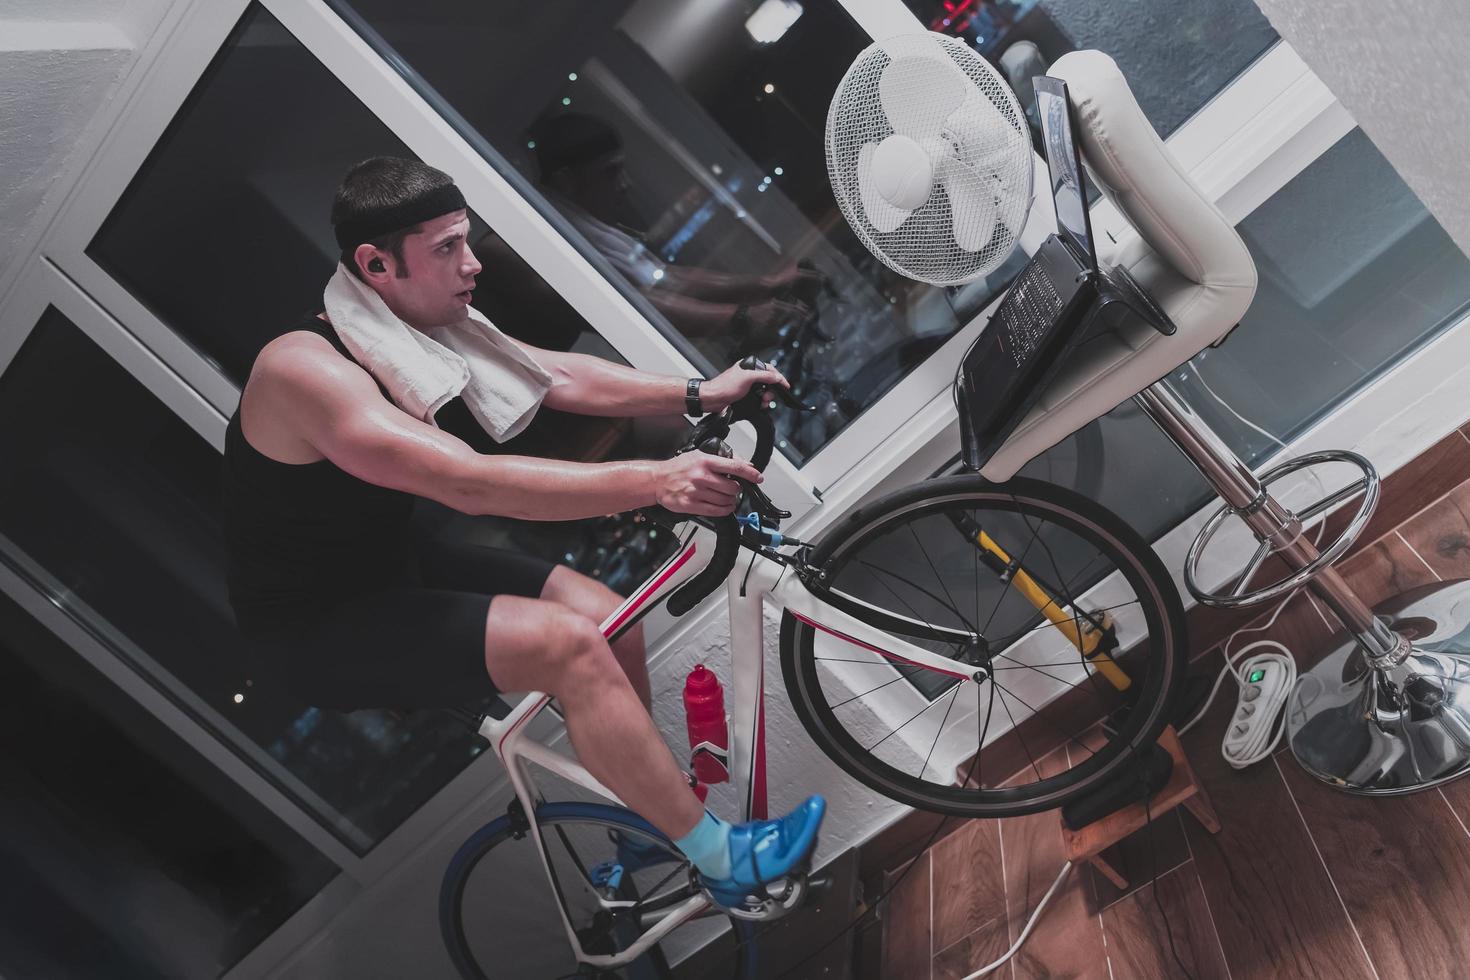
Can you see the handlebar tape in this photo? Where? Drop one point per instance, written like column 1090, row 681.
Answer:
column 727, row 547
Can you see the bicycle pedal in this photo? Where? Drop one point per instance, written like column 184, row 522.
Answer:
column 781, row 897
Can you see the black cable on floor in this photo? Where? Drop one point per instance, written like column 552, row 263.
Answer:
column 1153, row 860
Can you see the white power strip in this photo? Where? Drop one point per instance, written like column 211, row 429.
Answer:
column 1265, row 681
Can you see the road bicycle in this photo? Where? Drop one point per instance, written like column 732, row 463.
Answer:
column 1041, row 613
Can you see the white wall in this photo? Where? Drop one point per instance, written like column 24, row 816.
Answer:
column 60, row 61
column 1399, row 66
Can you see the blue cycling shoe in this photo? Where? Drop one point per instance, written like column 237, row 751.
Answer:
column 764, row 850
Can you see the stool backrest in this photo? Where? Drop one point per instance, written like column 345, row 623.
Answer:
column 1140, row 176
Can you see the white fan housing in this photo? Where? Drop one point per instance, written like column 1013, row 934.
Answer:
column 930, row 158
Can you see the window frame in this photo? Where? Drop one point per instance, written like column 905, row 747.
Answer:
column 1261, row 130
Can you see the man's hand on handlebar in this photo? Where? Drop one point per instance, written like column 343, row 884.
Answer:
column 700, row 483
column 732, row 384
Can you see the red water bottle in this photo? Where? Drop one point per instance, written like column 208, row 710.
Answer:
column 709, row 734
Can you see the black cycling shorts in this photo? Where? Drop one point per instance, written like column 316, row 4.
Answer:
column 405, row 647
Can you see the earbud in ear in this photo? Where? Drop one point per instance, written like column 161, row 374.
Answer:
column 376, row 265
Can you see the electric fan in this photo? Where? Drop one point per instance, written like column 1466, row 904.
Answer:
column 930, row 158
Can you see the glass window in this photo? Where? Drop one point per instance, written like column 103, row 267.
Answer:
column 124, row 853
column 117, row 501
column 1176, row 54
column 1354, row 275
column 685, row 157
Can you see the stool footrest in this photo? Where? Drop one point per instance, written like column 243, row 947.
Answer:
column 1368, row 487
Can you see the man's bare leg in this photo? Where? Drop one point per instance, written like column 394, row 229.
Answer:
column 533, row 644
column 597, row 602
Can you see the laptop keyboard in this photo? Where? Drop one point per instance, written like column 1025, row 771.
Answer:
column 1028, row 312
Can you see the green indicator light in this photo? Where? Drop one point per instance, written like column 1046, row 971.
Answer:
column 1255, row 676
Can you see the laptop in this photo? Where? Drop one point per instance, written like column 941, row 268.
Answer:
column 1050, row 309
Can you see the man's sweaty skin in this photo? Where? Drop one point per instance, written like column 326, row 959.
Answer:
column 304, row 402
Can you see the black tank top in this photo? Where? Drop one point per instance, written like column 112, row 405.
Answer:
column 302, row 536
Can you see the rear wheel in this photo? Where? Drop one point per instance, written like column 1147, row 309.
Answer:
column 1073, row 618
column 495, row 886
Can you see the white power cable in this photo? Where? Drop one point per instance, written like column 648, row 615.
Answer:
column 1260, row 739
column 1030, row 924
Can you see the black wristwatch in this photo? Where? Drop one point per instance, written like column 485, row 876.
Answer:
column 691, row 397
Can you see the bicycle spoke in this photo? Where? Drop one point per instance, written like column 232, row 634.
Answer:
column 1025, row 553
column 678, row 867
column 901, row 676
column 871, row 663
column 917, row 588
column 1017, row 729
column 1006, row 641
column 978, row 765
column 940, row 731
column 1070, row 735
column 940, row 578
column 1037, row 668
column 1018, row 665
column 901, row 727
column 1076, row 623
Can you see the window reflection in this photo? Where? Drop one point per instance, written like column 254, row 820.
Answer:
column 686, row 158
column 117, row 501
column 1176, row 54
column 224, row 235
column 123, row 853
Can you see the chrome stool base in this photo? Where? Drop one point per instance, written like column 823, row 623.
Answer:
column 1387, row 731
column 1388, row 712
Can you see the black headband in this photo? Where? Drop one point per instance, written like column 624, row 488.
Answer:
column 375, row 224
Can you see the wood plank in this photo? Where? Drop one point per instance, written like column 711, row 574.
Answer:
column 896, row 844
column 980, row 948
column 1384, row 570
column 907, row 941
column 1411, row 488
column 1067, row 940
column 1271, row 899
column 1402, row 866
column 1139, row 934
column 969, row 885
column 1441, row 535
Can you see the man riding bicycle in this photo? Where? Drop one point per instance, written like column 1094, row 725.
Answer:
column 398, row 391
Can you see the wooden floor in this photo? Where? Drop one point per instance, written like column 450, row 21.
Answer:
column 1302, row 881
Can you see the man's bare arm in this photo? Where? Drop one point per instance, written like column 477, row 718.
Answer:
column 586, row 385
column 336, row 407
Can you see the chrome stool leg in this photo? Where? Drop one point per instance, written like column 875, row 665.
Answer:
column 1388, row 711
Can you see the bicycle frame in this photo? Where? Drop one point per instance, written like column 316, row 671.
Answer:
column 754, row 583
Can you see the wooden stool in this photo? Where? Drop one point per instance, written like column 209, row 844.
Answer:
column 1089, row 842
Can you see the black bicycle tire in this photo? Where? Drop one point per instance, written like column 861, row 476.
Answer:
column 1166, row 615
column 496, row 832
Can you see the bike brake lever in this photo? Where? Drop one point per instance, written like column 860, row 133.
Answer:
column 762, row 504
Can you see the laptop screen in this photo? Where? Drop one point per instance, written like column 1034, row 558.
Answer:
column 1064, row 162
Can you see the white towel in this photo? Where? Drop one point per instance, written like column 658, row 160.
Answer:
column 501, row 384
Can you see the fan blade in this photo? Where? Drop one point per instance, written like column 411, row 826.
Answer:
column 972, row 204
column 980, row 134
column 918, row 92
column 881, row 215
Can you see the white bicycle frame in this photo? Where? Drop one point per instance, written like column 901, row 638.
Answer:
column 765, row 581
